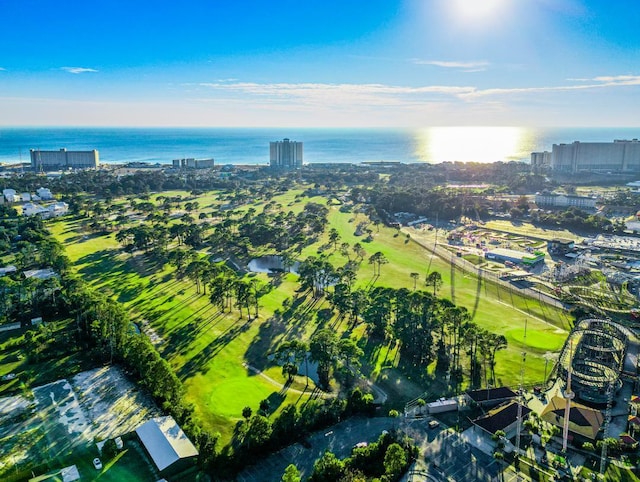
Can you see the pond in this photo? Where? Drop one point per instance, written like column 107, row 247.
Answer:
column 271, row 264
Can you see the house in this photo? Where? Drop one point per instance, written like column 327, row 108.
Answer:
column 490, row 397
column 584, row 422
column 167, row 445
column 504, row 417
column 10, row 195
column 32, row 209
column 57, row 209
column 44, row 193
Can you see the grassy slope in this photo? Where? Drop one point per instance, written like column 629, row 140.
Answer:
column 208, row 348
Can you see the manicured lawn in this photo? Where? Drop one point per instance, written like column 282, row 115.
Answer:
column 209, row 349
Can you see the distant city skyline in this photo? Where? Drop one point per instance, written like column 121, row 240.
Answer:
column 386, row 63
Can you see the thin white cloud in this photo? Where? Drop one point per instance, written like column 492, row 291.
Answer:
column 594, row 83
column 353, row 95
column 306, row 89
column 474, row 66
column 77, row 70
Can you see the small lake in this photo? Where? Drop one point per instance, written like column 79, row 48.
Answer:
column 270, row 264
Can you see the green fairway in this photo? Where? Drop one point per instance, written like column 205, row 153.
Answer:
column 217, row 354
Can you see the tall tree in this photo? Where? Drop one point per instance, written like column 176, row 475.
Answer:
column 414, row 277
column 377, row 259
column 434, row 279
column 291, row 474
column 323, row 350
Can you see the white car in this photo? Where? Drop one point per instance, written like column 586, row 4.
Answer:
column 97, row 464
column 119, row 443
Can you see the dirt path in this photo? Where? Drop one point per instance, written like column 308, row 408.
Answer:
column 276, row 383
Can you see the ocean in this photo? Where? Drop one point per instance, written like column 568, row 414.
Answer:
column 251, row 145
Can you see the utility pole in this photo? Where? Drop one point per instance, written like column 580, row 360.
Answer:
column 520, row 403
column 568, row 396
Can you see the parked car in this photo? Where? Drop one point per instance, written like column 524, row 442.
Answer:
column 97, row 463
column 119, row 443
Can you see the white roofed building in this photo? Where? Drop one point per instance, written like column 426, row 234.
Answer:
column 32, row 209
column 167, row 445
column 58, row 209
column 10, row 195
column 44, row 193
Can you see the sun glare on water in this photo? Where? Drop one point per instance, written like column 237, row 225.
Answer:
column 472, row 144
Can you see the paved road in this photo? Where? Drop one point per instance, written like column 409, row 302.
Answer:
column 444, row 455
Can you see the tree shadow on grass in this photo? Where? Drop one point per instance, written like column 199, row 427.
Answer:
column 276, row 399
column 264, row 342
column 200, row 361
column 102, row 263
column 159, row 314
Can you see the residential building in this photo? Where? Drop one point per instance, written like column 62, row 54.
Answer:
column 621, row 156
column 52, row 211
column 552, row 199
column 31, row 209
column 58, row 209
column 540, row 161
column 44, row 193
column 191, row 163
column 11, row 195
column 285, row 154
column 63, row 159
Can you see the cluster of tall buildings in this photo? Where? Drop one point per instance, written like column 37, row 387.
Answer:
column 283, row 155
column 619, row 156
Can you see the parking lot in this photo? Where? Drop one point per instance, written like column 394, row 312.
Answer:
column 444, row 455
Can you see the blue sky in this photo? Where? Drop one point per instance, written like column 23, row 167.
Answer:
column 409, row 63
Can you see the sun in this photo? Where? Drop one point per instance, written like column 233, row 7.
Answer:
column 476, row 10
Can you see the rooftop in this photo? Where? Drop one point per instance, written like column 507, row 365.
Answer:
column 485, row 395
column 501, row 417
column 165, row 441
